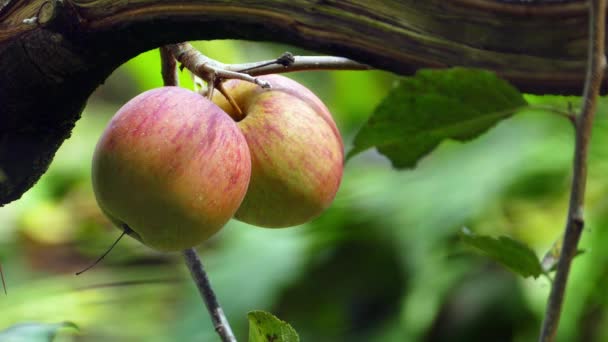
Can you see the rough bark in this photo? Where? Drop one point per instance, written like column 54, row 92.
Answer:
column 54, row 53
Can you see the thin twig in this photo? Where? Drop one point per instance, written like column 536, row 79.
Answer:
column 125, row 231
column 210, row 70
column 300, row 63
column 584, row 124
column 197, row 271
column 2, row 278
column 204, row 288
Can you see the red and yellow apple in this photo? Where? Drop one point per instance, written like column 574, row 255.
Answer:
column 172, row 167
column 296, row 151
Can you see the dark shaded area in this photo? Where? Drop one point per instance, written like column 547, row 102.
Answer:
column 487, row 305
column 352, row 288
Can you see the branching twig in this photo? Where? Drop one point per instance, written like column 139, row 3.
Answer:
column 300, row 63
column 206, row 68
column 211, row 70
column 204, row 287
column 584, row 123
column 193, row 262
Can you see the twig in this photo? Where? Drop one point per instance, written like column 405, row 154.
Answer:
column 204, row 288
column 584, row 124
column 211, row 70
column 300, row 63
column 206, row 68
column 125, row 230
column 169, row 71
column 2, row 278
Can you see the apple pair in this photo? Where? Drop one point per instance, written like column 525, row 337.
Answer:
column 173, row 167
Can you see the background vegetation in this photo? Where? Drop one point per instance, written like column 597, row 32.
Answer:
column 384, row 263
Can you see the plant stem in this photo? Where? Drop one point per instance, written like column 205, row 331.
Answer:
column 2, row 278
column 209, row 69
column 584, row 123
column 300, row 63
column 204, row 287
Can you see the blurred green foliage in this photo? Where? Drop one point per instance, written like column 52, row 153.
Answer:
column 384, row 263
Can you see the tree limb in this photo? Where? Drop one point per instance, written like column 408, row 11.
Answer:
column 54, row 53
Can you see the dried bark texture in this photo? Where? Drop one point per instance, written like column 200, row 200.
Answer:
column 54, row 53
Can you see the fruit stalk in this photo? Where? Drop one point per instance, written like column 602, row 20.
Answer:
column 204, row 288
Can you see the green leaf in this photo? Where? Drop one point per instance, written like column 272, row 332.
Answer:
column 434, row 105
column 265, row 327
column 512, row 254
column 34, row 332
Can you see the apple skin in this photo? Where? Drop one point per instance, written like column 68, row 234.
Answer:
column 172, row 166
column 297, row 154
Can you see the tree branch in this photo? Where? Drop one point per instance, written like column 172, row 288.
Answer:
column 204, row 288
column 168, row 68
column 584, row 124
column 50, row 65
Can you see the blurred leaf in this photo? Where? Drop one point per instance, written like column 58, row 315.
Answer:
column 434, row 105
column 512, row 254
column 265, row 327
column 34, row 332
column 549, row 262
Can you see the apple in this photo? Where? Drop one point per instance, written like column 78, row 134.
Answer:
column 297, row 154
column 171, row 168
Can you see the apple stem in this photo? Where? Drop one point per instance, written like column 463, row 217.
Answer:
column 239, row 115
column 220, row 322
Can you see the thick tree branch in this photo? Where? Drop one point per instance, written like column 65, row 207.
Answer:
column 168, row 67
column 584, row 123
column 54, row 53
